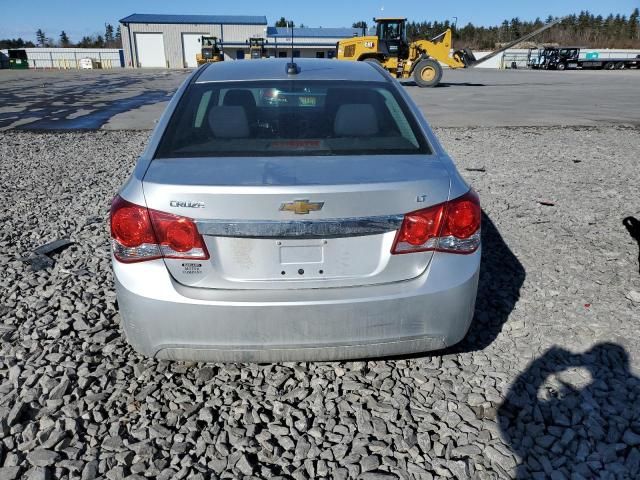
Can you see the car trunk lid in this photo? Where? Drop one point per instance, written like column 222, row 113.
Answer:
column 297, row 222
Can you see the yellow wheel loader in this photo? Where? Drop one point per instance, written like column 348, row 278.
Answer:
column 257, row 47
column 420, row 59
column 209, row 51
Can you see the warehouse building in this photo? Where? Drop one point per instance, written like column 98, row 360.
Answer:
column 172, row 41
column 307, row 42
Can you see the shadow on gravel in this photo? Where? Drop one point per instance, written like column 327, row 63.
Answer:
column 501, row 277
column 633, row 227
column 575, row 415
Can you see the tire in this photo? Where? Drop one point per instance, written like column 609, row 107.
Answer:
column 427, row 73
column 561, row 66
column 609, row 66
column 620, row 66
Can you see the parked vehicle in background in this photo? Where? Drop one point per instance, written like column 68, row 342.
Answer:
column 564, row 58
column 210, row 51
column 18, row 59
column 257, row 47
column 87, row 63
column 294, row 212
column 419, row 59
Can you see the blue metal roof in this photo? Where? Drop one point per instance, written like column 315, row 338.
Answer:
column 197, row 19
column 306, row 32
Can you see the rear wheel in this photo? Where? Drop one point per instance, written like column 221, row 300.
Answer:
column 427, row 73
column 561, row 66
column 609, row 66
column 620, row 66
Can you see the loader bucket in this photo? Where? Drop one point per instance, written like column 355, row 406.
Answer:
column 465, row 56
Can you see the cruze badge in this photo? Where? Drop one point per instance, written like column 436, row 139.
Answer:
column 301, row 207
column 186, row 204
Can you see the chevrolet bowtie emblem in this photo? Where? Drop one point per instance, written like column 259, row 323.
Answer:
column 301, row 207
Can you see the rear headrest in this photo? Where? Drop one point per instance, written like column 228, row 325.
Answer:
column 239, row 97
column 228, row 122
column 355, row 120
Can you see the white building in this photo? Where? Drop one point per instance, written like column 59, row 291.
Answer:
column 172, row 41
column 306, row 42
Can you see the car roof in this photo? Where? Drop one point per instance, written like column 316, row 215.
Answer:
column 276, row 69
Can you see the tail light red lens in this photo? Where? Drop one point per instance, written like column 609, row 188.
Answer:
column 140, row 234
column 130, row 224
column 452, row 226
column 177, row 236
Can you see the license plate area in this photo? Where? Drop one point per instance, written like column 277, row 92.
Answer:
column 282, row 260
column 301, row 254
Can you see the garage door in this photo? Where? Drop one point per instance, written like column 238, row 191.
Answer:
column 150, row 48
column 191, row 47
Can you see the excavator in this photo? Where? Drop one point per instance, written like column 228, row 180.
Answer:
column 210, row 51
column 419, row 59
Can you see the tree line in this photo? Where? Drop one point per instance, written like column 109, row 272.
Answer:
column 584, row 29
column 110, row 39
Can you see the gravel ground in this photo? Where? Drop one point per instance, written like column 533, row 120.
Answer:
column 544, row 385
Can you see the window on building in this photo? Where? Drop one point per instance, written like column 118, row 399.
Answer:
column 240, row 54
column 282, row 54
column 296, row 53
column 331, row 54
column 319, row 54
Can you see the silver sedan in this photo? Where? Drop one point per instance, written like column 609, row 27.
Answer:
column 294, row 212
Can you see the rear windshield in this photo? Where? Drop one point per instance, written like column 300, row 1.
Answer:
column 286, row 118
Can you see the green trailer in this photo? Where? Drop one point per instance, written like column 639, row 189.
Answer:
column 18, row 59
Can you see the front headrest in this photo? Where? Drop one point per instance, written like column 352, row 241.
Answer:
column 228, row 122
column 355, row 120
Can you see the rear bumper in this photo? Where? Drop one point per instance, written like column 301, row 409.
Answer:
column 166, row 320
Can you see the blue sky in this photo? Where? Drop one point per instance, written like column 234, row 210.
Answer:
column 21, row 18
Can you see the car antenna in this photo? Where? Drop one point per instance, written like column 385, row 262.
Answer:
column 292, row 68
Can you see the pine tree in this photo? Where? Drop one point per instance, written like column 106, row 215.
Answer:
column 108, row 34
column 64, row 39
column 86, row 42
column 41, row 38
column 634, row 25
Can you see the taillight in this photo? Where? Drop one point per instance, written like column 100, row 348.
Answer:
column 453, row 226
column 139, row 234
column 178, row 237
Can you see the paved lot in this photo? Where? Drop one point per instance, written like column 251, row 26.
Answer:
column 123, row 100
column 546, row 384
column 85, row 100
column 478, row 97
